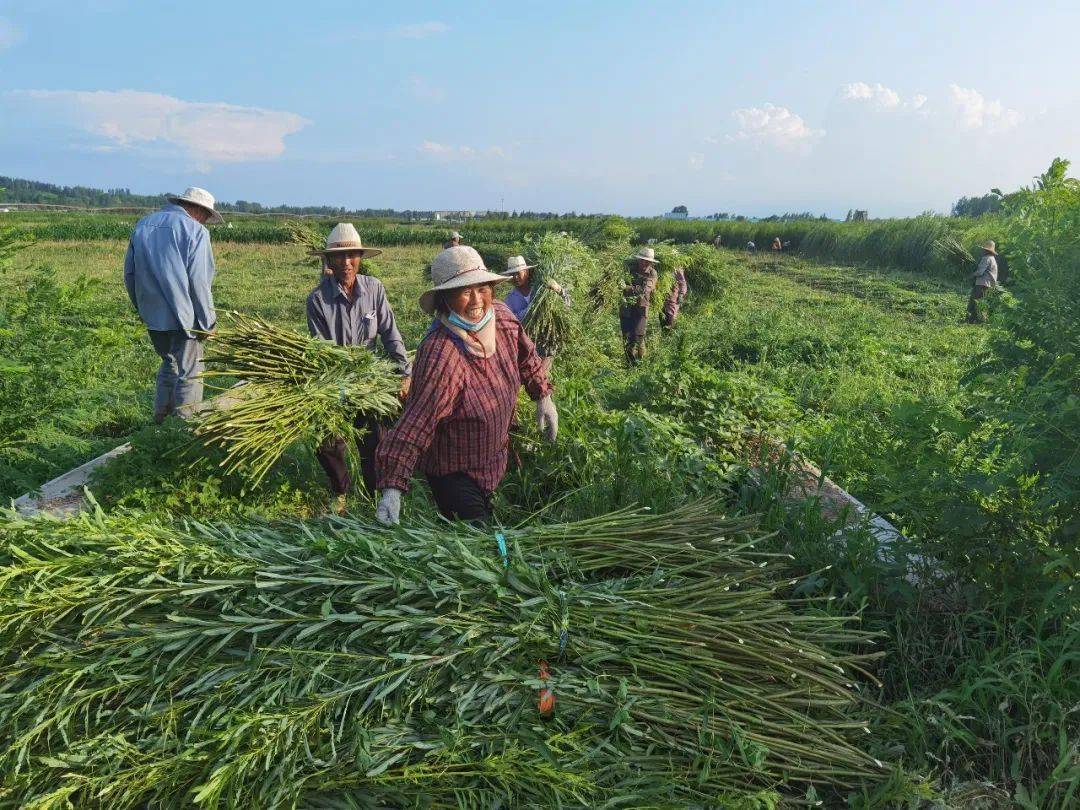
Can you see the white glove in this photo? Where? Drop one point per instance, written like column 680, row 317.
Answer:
column 388, row 512
column 547, row 418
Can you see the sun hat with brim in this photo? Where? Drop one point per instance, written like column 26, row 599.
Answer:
column 200, row 197
column 515, row 264
column 345, row 239
column 990, row 245
column 456, row 267
column 647, row 254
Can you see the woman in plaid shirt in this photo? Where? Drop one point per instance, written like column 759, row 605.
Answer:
column 466, row 376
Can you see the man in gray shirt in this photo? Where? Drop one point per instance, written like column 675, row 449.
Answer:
column 168, row 270
column 350, row 309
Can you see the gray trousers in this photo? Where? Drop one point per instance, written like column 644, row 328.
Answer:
column 178, row 387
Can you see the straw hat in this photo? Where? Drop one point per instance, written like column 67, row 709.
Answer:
column 345, row 238
column 455, row 267
column 515, row 264
column 990, row 246
column 647, row 254
column 455, row 235
column 200, row 197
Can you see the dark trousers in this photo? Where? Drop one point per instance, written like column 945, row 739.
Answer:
column 332, row 457
column 459, row 497
column 973, row 306
column 633, row 321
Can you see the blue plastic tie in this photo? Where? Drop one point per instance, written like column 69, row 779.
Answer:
column 563, row 638
column 502, row 549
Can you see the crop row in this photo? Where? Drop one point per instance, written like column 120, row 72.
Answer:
column 912, row 243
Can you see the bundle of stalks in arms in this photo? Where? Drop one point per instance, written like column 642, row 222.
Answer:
column 951, row 251
column 307, row 236
column 668, row 258
column 628, row 660
column 297, row 388
column 562, row 263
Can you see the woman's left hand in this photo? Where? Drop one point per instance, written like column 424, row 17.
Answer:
column 547, row 418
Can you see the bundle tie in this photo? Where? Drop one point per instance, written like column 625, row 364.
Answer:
column 502, row 549
column 546, row 703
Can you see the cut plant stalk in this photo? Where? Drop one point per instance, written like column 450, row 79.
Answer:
column 297, row 389
column 336, row 662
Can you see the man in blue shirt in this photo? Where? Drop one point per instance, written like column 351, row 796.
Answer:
column 168, row 270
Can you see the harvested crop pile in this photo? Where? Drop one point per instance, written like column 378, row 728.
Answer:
column 297, row 389
column 628, row 660
column 560, row 262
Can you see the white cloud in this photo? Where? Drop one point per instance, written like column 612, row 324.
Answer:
column 447, row 152
column 774, row 126
column 879, row 97
column 695, row 161
column 10, row 34
column 876, row 95
column 207, row 132
column 975, row 112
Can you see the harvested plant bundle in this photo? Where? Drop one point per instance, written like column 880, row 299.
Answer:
column 297, row 389
column 559, row 262
column 305, row 234
column 548, row 321
column 629, row 660
column 951, row 251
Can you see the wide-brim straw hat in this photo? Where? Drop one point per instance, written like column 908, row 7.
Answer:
column 459, row 266
column 989, row 245
column 200, row 197
column 515, row 264
column 647, row 254
column 344, row 238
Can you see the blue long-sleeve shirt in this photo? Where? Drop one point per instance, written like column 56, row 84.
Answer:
column 168, row 271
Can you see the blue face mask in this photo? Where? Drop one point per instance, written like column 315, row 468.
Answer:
column 469, row 326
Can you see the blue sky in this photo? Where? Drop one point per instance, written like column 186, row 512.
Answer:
column 627, row 107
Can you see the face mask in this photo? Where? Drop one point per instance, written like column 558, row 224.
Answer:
column 469, row 326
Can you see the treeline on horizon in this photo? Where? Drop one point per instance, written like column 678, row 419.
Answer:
column 18, row 190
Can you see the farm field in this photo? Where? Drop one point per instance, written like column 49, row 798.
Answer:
column 870, row 372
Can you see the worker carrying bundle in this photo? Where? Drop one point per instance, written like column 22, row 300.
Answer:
column 541, row 304
column 637, row 296
column 674, row 300
column 350, row 308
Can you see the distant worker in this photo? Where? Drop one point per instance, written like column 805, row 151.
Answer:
column 521, row 297
column 454, row 241
column 777, row 244
column 985, row 278
column 350, row 308
column 637, row 296
column 168, row 272
column 470, row 366
column 717, row 241
column 750, row 246
column 674, row 300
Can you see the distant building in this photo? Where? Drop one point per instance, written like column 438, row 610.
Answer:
column 678, row 212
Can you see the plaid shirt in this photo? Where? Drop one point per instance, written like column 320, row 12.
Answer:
column 457, row 417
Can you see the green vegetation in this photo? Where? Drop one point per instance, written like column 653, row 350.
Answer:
column 963, row 436
column 295, row 389
column 301, row 663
